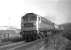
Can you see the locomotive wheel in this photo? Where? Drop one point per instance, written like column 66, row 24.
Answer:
column 42, row 34
column 30, row 37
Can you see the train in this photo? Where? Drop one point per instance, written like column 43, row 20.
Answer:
column 35, row 27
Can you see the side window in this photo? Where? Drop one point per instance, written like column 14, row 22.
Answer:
column 39, row 18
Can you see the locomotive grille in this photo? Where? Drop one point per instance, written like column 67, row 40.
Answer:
column 28, row 25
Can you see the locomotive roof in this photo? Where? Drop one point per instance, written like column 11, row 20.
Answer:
column 29, row 15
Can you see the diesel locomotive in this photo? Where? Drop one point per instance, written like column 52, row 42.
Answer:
column 34, row 27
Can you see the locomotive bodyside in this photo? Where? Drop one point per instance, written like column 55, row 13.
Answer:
column 45, row 25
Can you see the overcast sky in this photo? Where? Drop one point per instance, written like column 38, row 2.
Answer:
column 11, row 11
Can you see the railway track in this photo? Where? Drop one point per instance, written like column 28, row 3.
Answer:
column 17, row 45
column 11, row 44
column 5, row 43
column 25, row 45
